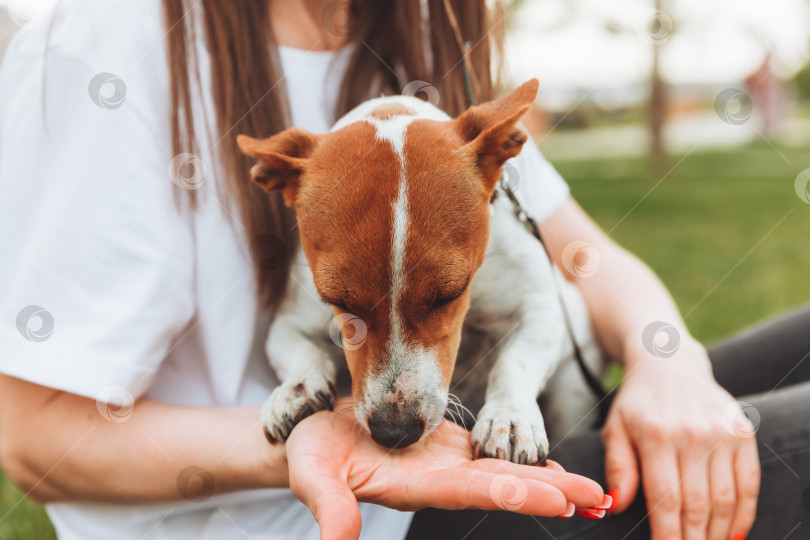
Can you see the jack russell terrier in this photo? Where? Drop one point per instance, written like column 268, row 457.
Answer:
column 404, row 241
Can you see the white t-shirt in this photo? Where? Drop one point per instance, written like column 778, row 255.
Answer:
column 130, row 295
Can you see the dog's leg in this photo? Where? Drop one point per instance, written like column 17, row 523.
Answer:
column 515, row 288
column 510, row 425
column 301, row 359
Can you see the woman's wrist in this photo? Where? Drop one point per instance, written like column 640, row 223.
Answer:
column 265, row 465
column 673, row 345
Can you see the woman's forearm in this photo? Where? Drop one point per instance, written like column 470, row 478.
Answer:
column 159, row 452
column 623, row 295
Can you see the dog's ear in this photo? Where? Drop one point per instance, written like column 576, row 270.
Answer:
column 491, row 131
column 280, row 160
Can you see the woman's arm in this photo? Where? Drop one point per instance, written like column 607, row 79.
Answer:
column 57, row 446
column 622, row 293
column 671, row 427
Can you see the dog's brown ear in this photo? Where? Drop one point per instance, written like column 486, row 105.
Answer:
column 280, row 160
column 491, row 131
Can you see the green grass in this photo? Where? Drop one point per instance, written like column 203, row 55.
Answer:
column 21, row 518
column 724, row 230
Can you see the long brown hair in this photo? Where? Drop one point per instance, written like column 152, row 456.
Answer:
column 249, row 95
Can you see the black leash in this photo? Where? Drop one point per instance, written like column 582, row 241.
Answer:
column 531, row 225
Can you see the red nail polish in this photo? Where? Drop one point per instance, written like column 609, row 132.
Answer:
column 613, row 493
column 591, row 514
column 569, row 511
column 606, row 504
column 738, row 536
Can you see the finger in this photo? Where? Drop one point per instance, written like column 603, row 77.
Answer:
column 621, row 467
column 329, row 499
column 693, row 463
column 747, row 477
column 659, row 473
column 553, row 466
column 723, row 493
column 466, row 487
column 581, row 491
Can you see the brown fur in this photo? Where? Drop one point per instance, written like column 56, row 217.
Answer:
column 343, row 185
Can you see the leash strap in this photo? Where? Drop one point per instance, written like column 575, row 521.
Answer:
column 531, row 225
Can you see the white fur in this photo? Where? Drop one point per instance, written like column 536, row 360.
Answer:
column 513, row 301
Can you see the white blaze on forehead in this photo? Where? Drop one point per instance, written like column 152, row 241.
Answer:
column 393, row 131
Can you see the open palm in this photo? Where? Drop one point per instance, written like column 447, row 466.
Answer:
column 333, row 463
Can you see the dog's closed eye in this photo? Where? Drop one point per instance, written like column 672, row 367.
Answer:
column 448, row 295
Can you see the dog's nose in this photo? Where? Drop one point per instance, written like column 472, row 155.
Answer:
column 397, row 434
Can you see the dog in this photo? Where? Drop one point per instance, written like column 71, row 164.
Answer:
column 403, row 242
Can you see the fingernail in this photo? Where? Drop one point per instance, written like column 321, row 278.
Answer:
column 606, row 504
column 591, row 514
column 738, row 536
column 569, row 511
column 613, row 493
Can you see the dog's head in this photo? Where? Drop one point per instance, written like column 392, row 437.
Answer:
column 392, row 209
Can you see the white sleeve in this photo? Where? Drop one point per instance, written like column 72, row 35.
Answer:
column 96, row 279
column 540, row 187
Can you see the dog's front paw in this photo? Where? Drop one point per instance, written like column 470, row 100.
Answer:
column 291, row 402
column 511, row 431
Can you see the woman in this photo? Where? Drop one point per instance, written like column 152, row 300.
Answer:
column 150, row 268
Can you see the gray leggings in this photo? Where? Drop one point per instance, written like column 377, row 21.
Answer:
column 767, row 367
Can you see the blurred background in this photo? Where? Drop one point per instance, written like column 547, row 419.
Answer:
column 683, row 128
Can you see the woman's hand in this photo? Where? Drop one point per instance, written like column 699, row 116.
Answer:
column 693, row 444
column 333, row 463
